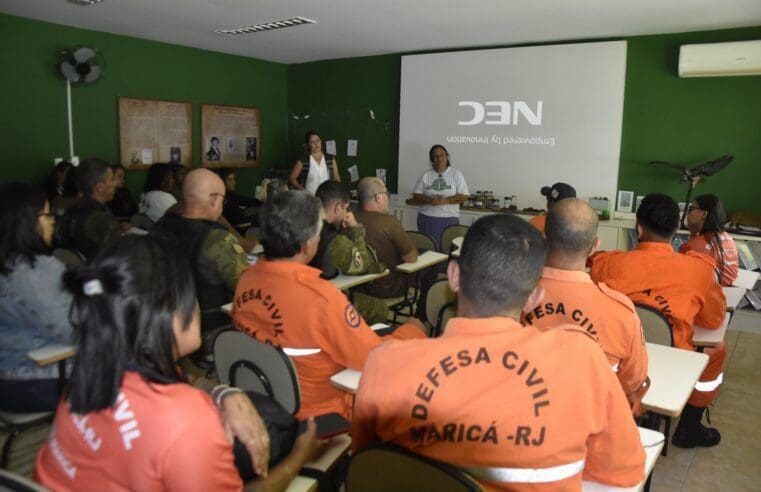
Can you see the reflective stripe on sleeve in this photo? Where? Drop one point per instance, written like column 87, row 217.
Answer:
column 298, row 352
column 527, row 475
column 709, row 385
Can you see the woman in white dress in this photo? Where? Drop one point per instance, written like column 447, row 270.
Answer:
column 314, row 167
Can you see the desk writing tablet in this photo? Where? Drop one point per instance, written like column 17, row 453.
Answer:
column 228, row 309
column 734, row 295
column 673, row 373
column 706, row 337
column 746, row 279
column 51, row 354
column 347, row 380
column 427, row 259
column 345, row 282
column 652, row 441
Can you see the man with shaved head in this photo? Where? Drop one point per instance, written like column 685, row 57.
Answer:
column 572, row 297
column 386, row 235
column 214, row 254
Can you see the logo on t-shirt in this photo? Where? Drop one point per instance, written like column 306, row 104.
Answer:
column 439, row 184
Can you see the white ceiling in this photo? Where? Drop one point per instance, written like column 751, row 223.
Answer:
column 349, row 28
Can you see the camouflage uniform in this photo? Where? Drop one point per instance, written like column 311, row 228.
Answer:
column 87, row 226
column 349, row 253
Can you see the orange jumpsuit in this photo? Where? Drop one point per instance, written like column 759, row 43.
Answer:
column 606, row 314
column 289, row 305
column 682, row 287
column 726, row 264
column 538, row 221
column 155, row 437
column 496, row 398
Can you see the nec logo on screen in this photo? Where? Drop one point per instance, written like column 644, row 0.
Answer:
column 501, row 113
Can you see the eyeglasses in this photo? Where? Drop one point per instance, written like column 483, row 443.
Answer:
column 220, row 195
column 383, row 193
column 691, row 208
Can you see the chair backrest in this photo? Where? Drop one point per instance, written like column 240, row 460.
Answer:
column 450, row 233
column 17, row 483
column 383, row 467
column 142, row 221
column 253, row 233
column 447, row 312
column 251, row 365
column 439, row 294
column 68, row 257
column 422, row 240
column 654, row 326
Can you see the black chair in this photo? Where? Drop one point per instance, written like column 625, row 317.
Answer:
column 382, row 468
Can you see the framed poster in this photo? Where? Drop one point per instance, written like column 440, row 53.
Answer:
column 229, row 136
column 154, row 131
column 625, row 201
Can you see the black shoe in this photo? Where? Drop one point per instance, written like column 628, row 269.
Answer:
column 700, row 436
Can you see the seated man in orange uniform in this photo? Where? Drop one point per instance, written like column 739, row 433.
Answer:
column 517, row 408
column 283, row 301
column 683, row 288
column 554, row 193
column 570, row 296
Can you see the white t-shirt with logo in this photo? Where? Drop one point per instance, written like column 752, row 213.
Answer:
column 318, row 174
column 449, row 183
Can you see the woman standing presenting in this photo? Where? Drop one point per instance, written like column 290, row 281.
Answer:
column 314, row 167
column 705, row 221
column 441, row 191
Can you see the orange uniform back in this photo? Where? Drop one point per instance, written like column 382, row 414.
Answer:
column 496, row 398
column 607, row 315
column 155, row 437
column 289, row 305
column 727, row 260
column 682, row 287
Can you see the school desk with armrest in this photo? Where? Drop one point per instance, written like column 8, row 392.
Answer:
column 653, row 442
column 710, row 337
column 673, row 373
column 412, row 281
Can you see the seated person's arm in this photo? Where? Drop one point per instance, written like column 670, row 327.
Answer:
column 347, row 338
column 306, row 448
column 222, row 258
column 293, row 179
column 632, row 372
column 245, row 243
column 614, row 456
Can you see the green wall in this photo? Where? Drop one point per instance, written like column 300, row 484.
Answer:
column 338, row 96
column 665, row 117
column 33, row 124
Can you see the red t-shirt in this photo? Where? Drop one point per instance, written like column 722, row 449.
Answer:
column 155, row 437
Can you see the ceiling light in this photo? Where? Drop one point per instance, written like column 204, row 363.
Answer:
column 85, row 2
column 266, row 26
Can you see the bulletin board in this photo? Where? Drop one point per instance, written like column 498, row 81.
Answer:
column 153, row 131
column 230, row 136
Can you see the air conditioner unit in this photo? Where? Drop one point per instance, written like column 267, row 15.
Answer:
column 720, row 59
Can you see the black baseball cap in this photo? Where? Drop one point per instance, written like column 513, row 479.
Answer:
column 558, row 192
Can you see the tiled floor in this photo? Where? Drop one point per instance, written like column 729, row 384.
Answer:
column 734, row 465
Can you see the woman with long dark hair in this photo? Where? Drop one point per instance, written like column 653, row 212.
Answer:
column 314, row 167
column 705, row 220
column 34, row 306
column 122, row 205
column 130, row 421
